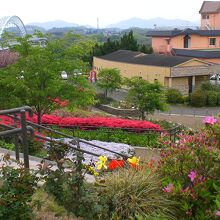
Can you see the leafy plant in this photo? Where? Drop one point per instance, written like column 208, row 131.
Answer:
column 109, row 80
column 146, row 97
column 198, row 98
column 9, row 146
column 70, row 189
column 190, row 168
column 148, row 139
column 212, row 98
column 131, row 192
column 174, row 96
column 16, row 190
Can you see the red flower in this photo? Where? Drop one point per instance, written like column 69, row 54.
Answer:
column 95, row 121
column 115, row 164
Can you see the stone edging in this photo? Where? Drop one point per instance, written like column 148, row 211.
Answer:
column 118, row 111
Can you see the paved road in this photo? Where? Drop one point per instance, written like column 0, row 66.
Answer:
column 174, row 109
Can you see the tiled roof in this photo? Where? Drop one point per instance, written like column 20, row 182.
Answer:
column 173, row 33
column 127, row 56
column 197, row 53
column 210, row 7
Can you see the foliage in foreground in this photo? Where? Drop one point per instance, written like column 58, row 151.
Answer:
column 47, row 208
column 132, row 192
column 191, row 172
column 69, row 187
column 16, row 189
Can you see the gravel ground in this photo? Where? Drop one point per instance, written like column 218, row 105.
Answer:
column 88, row 159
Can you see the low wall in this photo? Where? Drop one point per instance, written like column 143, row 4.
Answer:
column 147, row 153
column 117, row 111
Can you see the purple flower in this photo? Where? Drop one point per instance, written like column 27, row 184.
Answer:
column 217, row 213
column 168, row 188
column 209, row 120
column 192, row 175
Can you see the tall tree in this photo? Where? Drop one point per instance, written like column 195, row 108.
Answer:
column 109, row 80
column 35, row 80
column 128, row 42
column 146, row 97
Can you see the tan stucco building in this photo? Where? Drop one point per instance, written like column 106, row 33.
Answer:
column 182, row 73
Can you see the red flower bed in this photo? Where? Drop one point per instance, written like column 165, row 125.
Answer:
column 96, row 122
column 6, row 120
column 88, row 122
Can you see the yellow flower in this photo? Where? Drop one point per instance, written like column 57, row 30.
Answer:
column 93, row 171
column 101, row 163
column 134, row 161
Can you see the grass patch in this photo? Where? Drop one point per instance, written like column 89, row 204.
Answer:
column 47, row 208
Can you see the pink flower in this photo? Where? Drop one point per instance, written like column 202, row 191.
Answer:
column 217, row 213
column 168, row 188
column 192, row 175
column 209, row 120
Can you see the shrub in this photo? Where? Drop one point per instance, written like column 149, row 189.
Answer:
column 70, row 189
column 187, row 99
column 198, row 98
column 207, row 86
column 212, row 98
column 132, row 192
column 134, row 139
column 191, row 172
column 6, row 145
column 16, row 190
column 174, row 96
column 218, row 98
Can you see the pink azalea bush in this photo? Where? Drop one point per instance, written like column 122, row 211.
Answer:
column 209, row 120
column 191, row 171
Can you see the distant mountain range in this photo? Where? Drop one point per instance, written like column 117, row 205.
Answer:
column 153, row 23
column 160, row 23
column 54, row 24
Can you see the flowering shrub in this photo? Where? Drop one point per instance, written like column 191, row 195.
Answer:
column 96, row 122
column 93, row 122
column 191, row 172
column 60, row 103
column 104, row 164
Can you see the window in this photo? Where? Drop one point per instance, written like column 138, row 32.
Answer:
column 186, row 41
column 212, row 41
column 205, row 16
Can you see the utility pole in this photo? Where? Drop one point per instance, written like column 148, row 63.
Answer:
column 97, row 23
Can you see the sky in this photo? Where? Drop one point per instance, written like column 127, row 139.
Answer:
column 86, row 12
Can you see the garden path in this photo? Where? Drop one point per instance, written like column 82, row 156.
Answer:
column 33, row 162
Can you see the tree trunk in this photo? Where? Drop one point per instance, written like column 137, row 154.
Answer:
column 39, row 118
column 142, row 115
column 106, row 93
